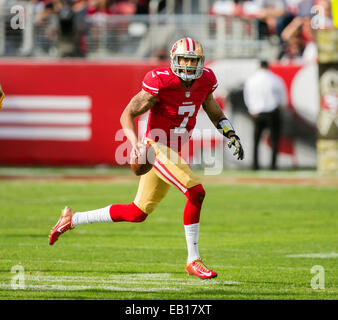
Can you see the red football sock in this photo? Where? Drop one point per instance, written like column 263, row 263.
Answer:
column 195, row 196
column 126, row 212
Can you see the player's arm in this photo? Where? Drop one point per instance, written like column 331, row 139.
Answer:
column 138, row 105
column 220, row 121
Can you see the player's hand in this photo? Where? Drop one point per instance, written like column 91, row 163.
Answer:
column 235, row 141
column 137, row 150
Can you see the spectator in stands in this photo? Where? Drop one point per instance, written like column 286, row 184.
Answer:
column 142, row 6
column 264, row 95
column 112, row 6
column 123, row 7
column 278, row 14
column 99, row 6
column 66, row 17
column 80, row 26
column 271, row 13
column 310, row 53
column 97, row 13
column 299, row 41
column 37, row 7
column 103, row 30
column 292, row 50
column 47, row 27
column 58, row 18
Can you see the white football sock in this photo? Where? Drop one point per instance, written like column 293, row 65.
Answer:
column 191, row 236
column 93, row 216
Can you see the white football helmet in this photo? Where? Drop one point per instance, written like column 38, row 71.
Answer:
column 187, row 48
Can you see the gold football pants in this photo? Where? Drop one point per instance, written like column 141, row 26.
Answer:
column 169, row 169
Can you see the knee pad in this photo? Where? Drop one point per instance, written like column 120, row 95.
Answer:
column 196, row 194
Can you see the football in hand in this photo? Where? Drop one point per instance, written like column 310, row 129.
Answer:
column 144, row 162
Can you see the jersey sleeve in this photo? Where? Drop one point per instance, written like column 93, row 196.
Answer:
column 151, row 83
column 212, row 81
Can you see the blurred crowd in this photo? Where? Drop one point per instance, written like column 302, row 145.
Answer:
column 67, row 19
column 92, row 6
column 292, row 22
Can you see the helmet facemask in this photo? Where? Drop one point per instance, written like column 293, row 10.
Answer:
column 184, row 72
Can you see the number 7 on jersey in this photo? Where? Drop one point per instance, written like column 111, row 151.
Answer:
column 181, row 111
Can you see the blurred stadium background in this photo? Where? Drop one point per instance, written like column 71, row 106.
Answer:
column 69, row 67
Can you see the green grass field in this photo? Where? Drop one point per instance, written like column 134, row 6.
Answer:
column 262, row 239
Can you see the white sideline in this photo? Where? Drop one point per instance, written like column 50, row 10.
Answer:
column 132, row 282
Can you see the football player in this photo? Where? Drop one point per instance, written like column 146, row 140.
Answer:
column 173, row 96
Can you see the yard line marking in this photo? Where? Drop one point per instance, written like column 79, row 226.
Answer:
column 53, row 287
column 134, row 282
column 157, row 282
column 130, row 279
column 314, row 255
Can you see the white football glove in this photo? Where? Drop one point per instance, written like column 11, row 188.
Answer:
column 235, row 141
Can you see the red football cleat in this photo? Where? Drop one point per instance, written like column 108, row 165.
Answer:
column 197, row 268
column 64, row 224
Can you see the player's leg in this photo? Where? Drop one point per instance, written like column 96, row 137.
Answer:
column 150, row 192
column 275, row 128
column 259, row 124
column 174, row 170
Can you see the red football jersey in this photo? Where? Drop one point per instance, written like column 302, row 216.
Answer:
column 173, row 118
